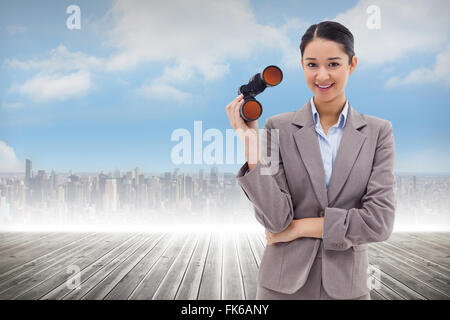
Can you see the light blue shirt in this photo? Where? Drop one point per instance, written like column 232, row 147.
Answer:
column 329, row 144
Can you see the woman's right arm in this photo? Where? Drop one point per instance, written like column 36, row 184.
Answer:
column 248, row 132
column 265, row 185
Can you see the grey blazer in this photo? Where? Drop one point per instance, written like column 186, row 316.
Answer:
column 358, row 207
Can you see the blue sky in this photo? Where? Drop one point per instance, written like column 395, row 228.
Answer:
column 109, row 96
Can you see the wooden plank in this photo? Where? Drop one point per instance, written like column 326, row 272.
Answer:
column 402, row 283
column 190, row 285
column 154, row 276
column 401, row 252
column 445, row 236
column 29, row 270
column 384, row 291
column 131, row 279
column 374, row 295
column 168, row 288
column 248, row 266
column 210, row 266
column 428, row 239
column 24, row 245
column 6, row 237
column 256, row 247
column 83, row 260
column 210, row 286
column 425, row 275
column 232, row 286
column 95, row 268
column 35, row 250
column 125, row 265
column 96, row 283
column 438, row 256
column 18, row 263
column 19, row 290
column 20, row 239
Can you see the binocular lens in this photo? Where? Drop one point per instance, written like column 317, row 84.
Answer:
column 272, row 75
column 251, row 110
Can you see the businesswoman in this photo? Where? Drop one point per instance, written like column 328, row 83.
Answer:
column 332, row 190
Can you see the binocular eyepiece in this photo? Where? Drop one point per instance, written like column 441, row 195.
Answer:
column 251, row 109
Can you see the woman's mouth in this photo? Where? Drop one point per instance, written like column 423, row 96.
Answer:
column 324, row 87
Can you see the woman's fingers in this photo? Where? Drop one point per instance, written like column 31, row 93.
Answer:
column 237, row 115
column 231, row 111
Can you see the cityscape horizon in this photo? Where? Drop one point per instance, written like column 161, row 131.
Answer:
column 202, row 200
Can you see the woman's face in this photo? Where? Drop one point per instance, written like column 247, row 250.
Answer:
column 326, row 65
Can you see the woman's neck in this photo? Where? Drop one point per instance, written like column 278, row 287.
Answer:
column 329, row 111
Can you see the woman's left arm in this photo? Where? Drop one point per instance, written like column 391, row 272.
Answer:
column 342, row 228
column 298, row 228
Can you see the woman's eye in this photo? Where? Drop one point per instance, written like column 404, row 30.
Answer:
column 311, row 64
column 334, row 64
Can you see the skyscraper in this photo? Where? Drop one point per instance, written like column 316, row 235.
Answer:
column 110, row 196
column 136, row 176
column 28, row 172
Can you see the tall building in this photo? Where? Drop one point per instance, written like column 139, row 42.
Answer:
column 214, row 175
column 110, row 196
column 54, row 180
column 189, row 187
column 28, row 172
column 136, row 176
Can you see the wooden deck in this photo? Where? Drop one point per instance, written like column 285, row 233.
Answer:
column 193, row 266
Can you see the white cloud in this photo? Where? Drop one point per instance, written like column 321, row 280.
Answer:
column 199, row 36
column 195, row 39
column 163, row 92
column 44, row 87
column 407, row 26
column 11, row 105
column 8, row 159
column 439, row 73
column 61, row 59
column 63, row 75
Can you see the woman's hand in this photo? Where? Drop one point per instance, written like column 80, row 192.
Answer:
column 298, row 228
column 292, row 232
column 248, row 132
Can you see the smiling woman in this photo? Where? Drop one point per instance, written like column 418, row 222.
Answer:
column 328, row 58
column 333, row 192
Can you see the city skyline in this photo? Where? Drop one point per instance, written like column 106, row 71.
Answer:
column 194, row 169
column 176, row 199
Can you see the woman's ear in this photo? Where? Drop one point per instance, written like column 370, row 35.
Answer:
column 353, row 64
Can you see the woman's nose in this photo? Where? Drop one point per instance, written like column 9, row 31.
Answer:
column 322, row 75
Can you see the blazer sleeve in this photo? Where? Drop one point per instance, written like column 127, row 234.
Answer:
column 269, row 193
column 375, row 220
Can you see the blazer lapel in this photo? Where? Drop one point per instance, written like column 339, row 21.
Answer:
column 308, row 146
column 349, row 147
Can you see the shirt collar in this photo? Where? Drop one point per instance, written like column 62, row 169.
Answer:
column 342, row 116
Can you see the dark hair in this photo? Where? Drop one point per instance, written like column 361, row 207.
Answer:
column 329, row 30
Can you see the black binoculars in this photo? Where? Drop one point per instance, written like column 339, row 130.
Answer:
column 251, row 109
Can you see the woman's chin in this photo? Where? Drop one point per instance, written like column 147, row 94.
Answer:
column 324, row 97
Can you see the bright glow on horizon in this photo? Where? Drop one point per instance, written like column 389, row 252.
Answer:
column 177, row 228
column 216, row 228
